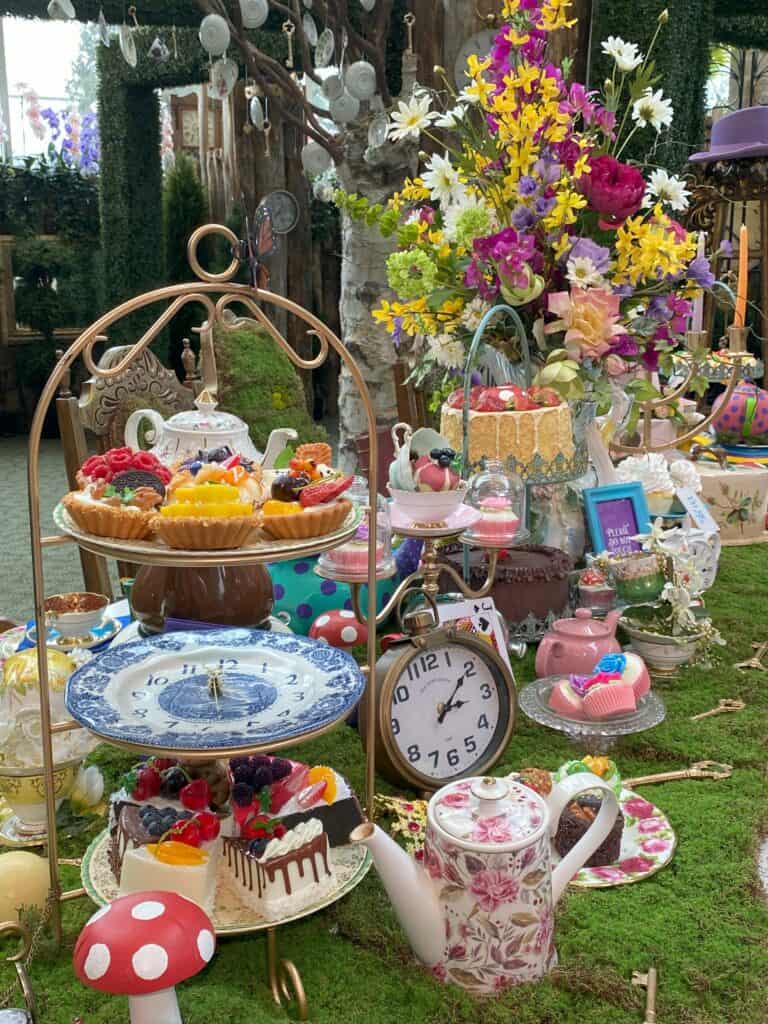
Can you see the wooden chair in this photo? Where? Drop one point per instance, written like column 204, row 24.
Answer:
column 102, row 409
column 29, row 1014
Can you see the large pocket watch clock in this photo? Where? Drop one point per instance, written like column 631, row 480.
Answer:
column 445, row 701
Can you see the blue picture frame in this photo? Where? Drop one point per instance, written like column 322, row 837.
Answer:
column 615, row 514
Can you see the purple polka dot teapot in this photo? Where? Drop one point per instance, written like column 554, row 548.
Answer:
column 479, row 909
column 743, row 418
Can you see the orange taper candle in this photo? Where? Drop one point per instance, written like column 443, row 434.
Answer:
column 741, row 289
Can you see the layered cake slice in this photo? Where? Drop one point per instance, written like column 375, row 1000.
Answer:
column 281, row 876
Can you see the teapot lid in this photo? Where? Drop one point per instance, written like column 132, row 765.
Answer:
column 488, row 812
column 205, row 419
column 582, row 625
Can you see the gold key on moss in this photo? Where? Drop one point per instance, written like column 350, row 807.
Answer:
column 723, row 706
column 648, row 981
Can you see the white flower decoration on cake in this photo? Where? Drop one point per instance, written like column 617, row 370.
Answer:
column 685, row 474
column 651, row 470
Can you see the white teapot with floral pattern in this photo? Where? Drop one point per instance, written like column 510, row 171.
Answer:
column 480, row 908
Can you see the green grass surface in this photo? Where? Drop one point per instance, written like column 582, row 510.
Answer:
column 702, row 921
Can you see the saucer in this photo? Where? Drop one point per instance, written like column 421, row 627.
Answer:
column 10, row 835
column 102, row 634
column 457, row 522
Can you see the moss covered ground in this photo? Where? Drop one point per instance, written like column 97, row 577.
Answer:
column 702, row 921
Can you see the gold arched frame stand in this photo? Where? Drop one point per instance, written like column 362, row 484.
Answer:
column 648, row 408
column 218, row 313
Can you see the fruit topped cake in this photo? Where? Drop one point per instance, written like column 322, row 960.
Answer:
column 509, row 421
column 165, row 829
column 268, row 789
column 306, row 499
column 221, row 466
column 119, row 494
column 615, row 687
column 595, row 591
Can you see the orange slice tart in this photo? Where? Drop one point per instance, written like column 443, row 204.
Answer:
column 206, row 517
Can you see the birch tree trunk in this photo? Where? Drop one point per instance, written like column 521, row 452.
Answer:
column 375, row 174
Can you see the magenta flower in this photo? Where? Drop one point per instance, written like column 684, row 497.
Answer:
column 454, row 799
column 493, row 888
column 650, row 825
column 609, row 874
column 545, row 932
column 434, row 866
column 639, row 808
column 654, row 845
column 492, row 830
column 636, row 865
column 614, row 190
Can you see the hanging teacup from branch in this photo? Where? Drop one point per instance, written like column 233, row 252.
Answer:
column 61, row 10
column 333, row 86
column 127, row 42
column 214, row 34
column 368, row 5
column 224, row 75
column 103, row 29
column 315, row 158
column 344, row 109
column 310, row 29
column 256, row 113
column 159, row 51
column 254, row 13
column 324, row 49
column 360, row 80
column 378, row 130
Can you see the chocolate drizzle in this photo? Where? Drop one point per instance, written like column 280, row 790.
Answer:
column 254, row 873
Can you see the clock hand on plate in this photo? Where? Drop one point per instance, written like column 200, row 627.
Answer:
column 445, row 708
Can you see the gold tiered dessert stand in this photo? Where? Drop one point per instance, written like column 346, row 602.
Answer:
column 217, row 294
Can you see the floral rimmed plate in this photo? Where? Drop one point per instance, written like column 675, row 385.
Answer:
column 647, row 845
column 230, row 916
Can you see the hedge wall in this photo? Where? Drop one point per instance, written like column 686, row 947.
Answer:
column 682, row 61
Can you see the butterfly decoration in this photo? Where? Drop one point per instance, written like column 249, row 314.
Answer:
column 260, row 244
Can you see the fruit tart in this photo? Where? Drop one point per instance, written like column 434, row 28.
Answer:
column 122, row 507
column 221, row 466
column 301, row 508
column 120, row 460
column 206, row 517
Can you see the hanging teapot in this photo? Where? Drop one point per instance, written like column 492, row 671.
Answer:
column 185, row 433
column 480, row 911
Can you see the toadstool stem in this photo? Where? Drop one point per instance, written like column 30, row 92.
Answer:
column 156, row 1008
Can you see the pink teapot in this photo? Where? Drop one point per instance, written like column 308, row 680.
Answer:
column 480, row 908
column 576, row 645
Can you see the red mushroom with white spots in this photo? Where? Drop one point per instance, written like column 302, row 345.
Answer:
column 339, row 628
column 141, row 946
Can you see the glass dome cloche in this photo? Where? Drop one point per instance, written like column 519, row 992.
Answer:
column 350, row 560
column 499, row 496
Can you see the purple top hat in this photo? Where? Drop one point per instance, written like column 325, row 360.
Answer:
column 744, row 133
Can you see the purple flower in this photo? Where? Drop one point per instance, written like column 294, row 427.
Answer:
column 543, row 205
column 548, row 170
column 397, row 333
column 726, row 247
column 527, row 185
column 700, row 271
column 623, row 290
column 585, row 248
column 624, row 345
column 523, row 218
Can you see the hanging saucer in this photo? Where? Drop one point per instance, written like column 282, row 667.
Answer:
column 310, row 29
column 102, row 634
column 344, row 109
column 360, row 80
column 127, row 45
column 326, row 44
column 254, row 13
column 214, row 34
column 103, row 29
column 256, row 113
column 378, row 130
column 333, row 87
column 224, row 75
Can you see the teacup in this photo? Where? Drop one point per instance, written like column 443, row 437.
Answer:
column 24, row 791
column 75, row 614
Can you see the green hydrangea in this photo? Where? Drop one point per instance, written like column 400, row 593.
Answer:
column 472, row 223
column 411, row 274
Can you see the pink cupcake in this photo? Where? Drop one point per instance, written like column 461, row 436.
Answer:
column 565, row 701
column 636, row 674
column 499, row 521
column 609, row 700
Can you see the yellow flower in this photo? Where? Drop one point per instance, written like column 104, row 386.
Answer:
column 480, row 90
column 581, row 166
column 435, row 236
column 567, row 202
column 475, row 66
column 562, row 244
column 527, row 75
column 553, row 15
column 414, row 191
column 452, row 305
column 510, row 7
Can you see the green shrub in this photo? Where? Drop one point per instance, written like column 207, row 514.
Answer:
column 258, row 383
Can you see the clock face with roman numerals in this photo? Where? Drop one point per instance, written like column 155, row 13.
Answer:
column 450, row 709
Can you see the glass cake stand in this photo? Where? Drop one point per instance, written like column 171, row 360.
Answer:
column 593, row 737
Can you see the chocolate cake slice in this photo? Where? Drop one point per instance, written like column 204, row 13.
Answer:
column 574, row 822
column 338, row 819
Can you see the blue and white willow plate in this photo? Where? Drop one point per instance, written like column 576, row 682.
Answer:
column 276, row 688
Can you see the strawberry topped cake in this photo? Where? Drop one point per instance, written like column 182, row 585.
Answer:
column 306, row 501
column 510, row 421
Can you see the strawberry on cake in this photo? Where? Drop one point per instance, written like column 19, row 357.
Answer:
column 509, row 421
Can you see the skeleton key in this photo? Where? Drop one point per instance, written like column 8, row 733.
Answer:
column 410, row 21
column 648, row 982
column 289, row 28
column 756, row 661
column 267, row 132
column 699, row 770
column 727, row 704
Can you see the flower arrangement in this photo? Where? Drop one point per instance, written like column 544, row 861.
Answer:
column 528, row 202
column 73, row 138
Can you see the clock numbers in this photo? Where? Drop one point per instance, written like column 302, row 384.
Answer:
column 469, row 669
column 485, row 691
column 453, row 757
column 469, row 744
column 426, row 663
column 401, row 694
column 482, row 722
column 395, row 727
column 414, row 754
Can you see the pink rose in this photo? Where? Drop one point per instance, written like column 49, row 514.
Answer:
column 544, row 934
column 614, row 190
column 589, row 318
column 615, row 365
column 654, row 845
column 492, row 888
column 649, row 825
column 492, row 830
column 639, row 808
column 434, row 867
column 609, row 874
column 457, row 952
column 454, row 800
column 636, row 865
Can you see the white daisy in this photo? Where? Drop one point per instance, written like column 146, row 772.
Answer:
column 468, row 97
column 582, row 273
column 442, row 180
column 652, row 109
column 411, row 118
column 474, row 313
column 447, row 351
column 668, row 188
column 451, row 118
column 626, row 55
